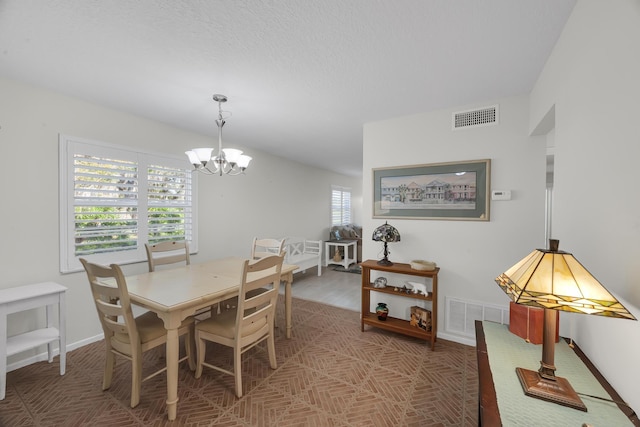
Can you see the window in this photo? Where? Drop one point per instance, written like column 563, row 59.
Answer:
column 340, row 205
column 114, row 200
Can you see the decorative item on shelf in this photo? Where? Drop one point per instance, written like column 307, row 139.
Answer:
column 419, row 288
column 337, row 256
column 554, row 280
column 380, row 282
column 382, row 311
column 423, row 265
column 386, row 233
column 420, row 318
column 229, row 161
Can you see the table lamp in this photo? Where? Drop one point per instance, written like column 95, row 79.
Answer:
column 386, row 233
column 555, row 280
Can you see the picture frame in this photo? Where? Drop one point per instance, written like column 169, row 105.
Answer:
column 445, row 191
column 420, row 318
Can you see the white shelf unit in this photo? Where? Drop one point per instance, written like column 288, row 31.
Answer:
column 22, row 298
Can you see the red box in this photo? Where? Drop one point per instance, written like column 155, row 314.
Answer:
column 528, row 322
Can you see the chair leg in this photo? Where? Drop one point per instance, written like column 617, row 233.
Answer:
column 271, row 347
column 109, row 366
column 190, row 347
column 237, row 369
column 136, row 379
column 201, row 347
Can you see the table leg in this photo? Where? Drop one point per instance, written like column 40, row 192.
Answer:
column 172, row 348
column 62, row 324
column 345, row 258
column 49, row 314
column 288, row 280
column 3, row 352
column 326, row 254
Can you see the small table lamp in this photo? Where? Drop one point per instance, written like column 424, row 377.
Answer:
column 386, row 233
column 555, row 280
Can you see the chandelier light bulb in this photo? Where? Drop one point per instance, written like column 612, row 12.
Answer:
column 232, row 155
column 243, row 161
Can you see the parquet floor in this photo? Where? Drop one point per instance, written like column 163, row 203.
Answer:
column 329, row 374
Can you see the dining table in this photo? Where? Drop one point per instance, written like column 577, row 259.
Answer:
column 177, row 293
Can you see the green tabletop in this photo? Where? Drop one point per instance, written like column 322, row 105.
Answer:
column 507, row 351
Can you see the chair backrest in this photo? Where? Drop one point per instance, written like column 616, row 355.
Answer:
column 113, row 305
column 265, row 247
column 256, row 311
column 167, row 253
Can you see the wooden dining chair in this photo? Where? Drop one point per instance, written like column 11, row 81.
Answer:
column 259, row 249
column 249, row 324
column 266, row 247
column 164, row 253
column 126, row 335
column 167, row 253
column 232, row 303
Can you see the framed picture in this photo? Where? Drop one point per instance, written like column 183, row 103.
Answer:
column 455, row 191
column 420, row 318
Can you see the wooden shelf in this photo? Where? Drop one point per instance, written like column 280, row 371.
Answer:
column 389, row 290
column 399, row 268
column 392, row 323
column 395, row 325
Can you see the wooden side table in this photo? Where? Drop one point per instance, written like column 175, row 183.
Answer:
column 21, row 298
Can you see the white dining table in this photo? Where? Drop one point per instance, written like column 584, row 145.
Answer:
column 177, row 293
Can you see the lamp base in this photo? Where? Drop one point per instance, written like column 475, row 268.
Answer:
column 385, row 261
column 558, row 391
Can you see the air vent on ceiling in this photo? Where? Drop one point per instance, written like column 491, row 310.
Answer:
column 486, row 116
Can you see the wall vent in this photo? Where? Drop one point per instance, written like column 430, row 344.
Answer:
column 486, row 116
column 461, row 315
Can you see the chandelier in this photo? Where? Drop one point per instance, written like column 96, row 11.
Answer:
column 229, row 161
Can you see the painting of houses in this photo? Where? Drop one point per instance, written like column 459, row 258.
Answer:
column 432, row 191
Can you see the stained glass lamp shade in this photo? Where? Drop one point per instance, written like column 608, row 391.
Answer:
column 386, row 233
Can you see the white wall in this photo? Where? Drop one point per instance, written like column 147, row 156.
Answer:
column 275, row 198
column 592, row 78
column 470, row 254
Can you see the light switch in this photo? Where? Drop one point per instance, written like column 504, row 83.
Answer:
column 501, row 195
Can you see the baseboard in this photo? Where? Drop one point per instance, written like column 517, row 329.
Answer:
column 457, row 338
column 41, row 357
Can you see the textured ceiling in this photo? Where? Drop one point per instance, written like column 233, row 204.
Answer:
column 301, row 76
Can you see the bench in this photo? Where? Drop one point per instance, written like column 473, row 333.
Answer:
column 303, row 253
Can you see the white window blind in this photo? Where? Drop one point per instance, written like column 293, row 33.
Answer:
column 170, row 216
column 105, row 205
column 340, row 205
column 114, row 200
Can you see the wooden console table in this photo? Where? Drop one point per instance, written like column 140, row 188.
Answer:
column 502, row 402
column 21, row 298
